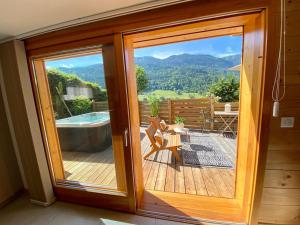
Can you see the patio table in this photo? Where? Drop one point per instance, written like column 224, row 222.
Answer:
column 227, row 118
column 184, row 131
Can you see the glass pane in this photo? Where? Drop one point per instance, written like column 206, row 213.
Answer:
column 80, row 104
column 188, row 95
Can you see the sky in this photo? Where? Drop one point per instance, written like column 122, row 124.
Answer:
column 218, row 47
column 75, row 61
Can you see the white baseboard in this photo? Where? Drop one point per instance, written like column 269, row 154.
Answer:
column 44, row 204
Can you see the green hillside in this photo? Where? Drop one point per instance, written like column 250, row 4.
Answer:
column 186, row 73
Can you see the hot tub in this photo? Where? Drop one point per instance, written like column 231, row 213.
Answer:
column 90, row 132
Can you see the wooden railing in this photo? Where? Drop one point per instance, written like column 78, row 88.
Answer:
column 189, row 109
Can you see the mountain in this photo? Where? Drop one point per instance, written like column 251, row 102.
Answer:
column 234, row 59
column 92, row 73
column 185, row 72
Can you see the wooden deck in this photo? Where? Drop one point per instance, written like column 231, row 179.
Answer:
column 161, row 171
column 91, row 168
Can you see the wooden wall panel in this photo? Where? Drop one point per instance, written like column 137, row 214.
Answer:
column 282, row 179
column 281, row 195
column 276, row 214
column 28, row 135
column 283, row 159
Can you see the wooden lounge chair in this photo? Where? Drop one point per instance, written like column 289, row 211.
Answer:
column 156, row 122
column 170, row 142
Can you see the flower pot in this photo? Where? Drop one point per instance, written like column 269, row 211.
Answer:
column 153, row 118
column 180, row 125
column 154, row 121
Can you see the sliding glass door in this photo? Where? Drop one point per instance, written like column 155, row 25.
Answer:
column 196, row 115
column 79, row 95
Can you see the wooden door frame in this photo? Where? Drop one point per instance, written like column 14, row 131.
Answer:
column 252, row 26
column 122, row 199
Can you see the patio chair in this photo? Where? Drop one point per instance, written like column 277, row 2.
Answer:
column 206, row 120
column 170, row 142
column 158, row 125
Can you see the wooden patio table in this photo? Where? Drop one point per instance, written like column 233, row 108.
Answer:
column 227, row 118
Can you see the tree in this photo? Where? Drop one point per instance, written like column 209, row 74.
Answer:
column 226, row 89
column 141, row 79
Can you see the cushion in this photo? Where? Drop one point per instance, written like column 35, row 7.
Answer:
column 163, row 125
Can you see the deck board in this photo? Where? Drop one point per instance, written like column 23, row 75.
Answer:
column 161, row 176
column 199, row 181
column 170, row 175
column 89, row 168
column 161, row 171
column 179, row 179
column 207, row 181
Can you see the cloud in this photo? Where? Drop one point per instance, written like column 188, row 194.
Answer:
column 66, row 65
column 228, row 49
column 165, row 54
column 221, row 55
column 228, row 52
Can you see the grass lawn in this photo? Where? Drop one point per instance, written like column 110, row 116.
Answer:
column 166, row 94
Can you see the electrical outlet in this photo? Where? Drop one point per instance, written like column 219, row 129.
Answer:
column 287, row 122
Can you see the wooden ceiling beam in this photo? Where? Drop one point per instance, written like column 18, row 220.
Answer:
column 188, row 37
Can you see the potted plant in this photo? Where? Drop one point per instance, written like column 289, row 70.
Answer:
column 179, row 121
column 154, row 102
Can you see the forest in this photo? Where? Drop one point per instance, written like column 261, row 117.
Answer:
column 179, row 73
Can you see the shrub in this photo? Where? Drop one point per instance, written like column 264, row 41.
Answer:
column 71, row 80
column 226, row 89
column 80, row 105
column 58, row 83
column 154, row 102
column 179, row 120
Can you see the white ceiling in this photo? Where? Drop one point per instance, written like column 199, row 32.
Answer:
column 27, row 17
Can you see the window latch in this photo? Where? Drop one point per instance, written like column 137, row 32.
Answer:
column 126, row 137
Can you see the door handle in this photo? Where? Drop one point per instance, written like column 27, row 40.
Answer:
column 126, row 137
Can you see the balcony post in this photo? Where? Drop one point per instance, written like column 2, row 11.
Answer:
column 170, row 111
column 212, row 109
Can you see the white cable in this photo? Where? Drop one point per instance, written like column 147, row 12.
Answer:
column 280, row 69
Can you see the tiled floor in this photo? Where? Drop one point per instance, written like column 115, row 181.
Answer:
column 22, row 212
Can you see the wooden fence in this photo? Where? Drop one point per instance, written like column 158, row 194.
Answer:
column 189, row 109
column 100, row 106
